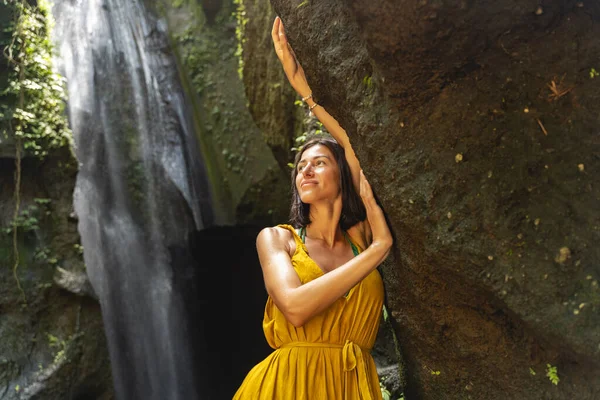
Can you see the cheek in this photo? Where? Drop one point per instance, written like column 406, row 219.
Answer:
column 337, row 178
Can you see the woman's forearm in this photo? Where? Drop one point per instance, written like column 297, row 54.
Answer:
column 311, row 298
column 330, row 123
column 340, row 135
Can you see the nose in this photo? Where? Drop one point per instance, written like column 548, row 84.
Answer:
column 307, row 169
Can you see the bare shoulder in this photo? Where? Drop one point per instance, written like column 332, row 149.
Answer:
column 273, row 238
column 360, row 235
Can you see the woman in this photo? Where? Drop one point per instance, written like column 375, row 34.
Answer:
column 325, row 295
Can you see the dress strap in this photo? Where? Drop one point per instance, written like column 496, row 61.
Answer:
column 302, row 233
column 354, row 249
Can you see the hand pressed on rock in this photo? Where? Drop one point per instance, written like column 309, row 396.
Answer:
column 292, row 68
column 380, row 232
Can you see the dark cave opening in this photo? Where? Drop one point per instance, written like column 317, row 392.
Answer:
column 224, row 296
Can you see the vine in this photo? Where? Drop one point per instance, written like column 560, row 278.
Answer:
column 242, row 20
column 37, row 121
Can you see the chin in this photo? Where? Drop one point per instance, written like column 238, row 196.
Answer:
column 306, row 199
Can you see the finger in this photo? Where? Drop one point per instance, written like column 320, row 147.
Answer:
column 365, row 187
column 287, row 56
column 275, row 35
column 367, row 191
column 275, row 30
column 363, row 184
column 281, row 27
column 363, row 180
column 281, row 35
column 289, row 47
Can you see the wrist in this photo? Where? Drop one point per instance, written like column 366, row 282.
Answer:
column 309, row 101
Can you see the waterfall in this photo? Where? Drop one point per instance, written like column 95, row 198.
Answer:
column 142, row 188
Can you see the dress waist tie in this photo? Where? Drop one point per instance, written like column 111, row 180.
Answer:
column 352, row 356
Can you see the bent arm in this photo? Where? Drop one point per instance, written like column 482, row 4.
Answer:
column 300, row 302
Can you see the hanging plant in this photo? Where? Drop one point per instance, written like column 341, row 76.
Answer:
column 37, row 121
column 33, row 106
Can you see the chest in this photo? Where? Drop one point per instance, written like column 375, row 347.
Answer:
column 328, row 259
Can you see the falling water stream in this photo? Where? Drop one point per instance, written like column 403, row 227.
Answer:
column 141, row 187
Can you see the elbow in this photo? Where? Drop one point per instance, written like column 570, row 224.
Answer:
column 383, row 248
column 294, row 314
column 388, row 245
column 383, row 245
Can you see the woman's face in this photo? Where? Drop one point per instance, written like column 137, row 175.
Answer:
column 318, row 175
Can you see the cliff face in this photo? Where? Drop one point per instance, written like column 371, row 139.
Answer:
column 477, row 127
column 206, row 38
column 53, row 344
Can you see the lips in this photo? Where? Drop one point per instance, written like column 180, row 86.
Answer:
column 308, row 183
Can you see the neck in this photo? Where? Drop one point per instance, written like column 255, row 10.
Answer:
column 325, row 225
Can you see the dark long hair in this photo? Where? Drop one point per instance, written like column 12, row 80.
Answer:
column 353, row 209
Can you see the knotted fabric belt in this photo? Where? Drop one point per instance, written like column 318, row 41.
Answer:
column 352, row 356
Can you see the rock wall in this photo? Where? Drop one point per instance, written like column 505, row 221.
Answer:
column 477, row 126
column 53, row 344
column 206, row 38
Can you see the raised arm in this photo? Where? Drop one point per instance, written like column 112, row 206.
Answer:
column 295, row 74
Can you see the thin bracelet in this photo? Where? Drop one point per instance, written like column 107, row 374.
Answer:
column 313, row 106
column 307, row 97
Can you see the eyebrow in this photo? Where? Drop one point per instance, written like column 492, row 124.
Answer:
column 314, row 158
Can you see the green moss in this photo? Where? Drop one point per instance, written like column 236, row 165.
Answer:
column 242, row 20
column 200, row 50
column 368, row 83
column 33, row 102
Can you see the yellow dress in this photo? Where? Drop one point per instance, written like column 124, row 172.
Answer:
column 329, row 357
